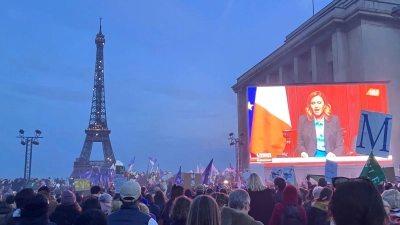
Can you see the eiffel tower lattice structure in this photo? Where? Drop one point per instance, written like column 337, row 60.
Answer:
column 98, row 130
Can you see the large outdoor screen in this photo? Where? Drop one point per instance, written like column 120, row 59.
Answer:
column 309, row 121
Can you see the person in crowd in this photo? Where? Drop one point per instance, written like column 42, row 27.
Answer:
column 92, row 202
column 209, row 191
column 105, row 203
column 58, row 198
column 95, row 191
column 319, row 133
column 160, row 199
column 176, row 191
column 180, row 210
column 322, row 182
column 129, row 212
column 116, row 205
column 189, row 193
column 357, row 202
column 154, row 209
column 199, row 190
column 222, row 199
column 7, row 208
column 392, row 197
column 316, row 192
column 380, row 188
column 143, row 191
column 288, row 208
column 79, row 198
column 67, row 211
column 223, row 190
column 20, row 199
column 164, row 186
column 35, row 211
column 92, row 217
column 143, row 208
column 280, row 185
column 44, row 190
column 317, row 215
column 262, row 203
column 203, row 211
column 237, row 211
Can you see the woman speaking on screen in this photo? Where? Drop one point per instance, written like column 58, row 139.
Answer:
column 319, row 133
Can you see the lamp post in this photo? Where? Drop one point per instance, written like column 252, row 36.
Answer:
column 237, row 142
column 29, row 142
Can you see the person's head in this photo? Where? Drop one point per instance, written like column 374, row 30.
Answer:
column 130, row 193
column 325, row 195
column 149, row 199
column 317, row 106
column 239, row 199
column 143, row 208
column 392, row 197
column 290, row 195
column 200, row 189
column 91, row 203
column 180, row 208
column 68, row 198
column 160, row 198
column 44, row 189
column 255, row 183
column 222, row 199
column 322, row 182
column 203, row 211
column 22, row 196
column 105, row 198
column 357, row 202
column 10, row 200
column 79, row 198
column 176, row 191
column 95, row 190
column 92, row 217
column 35, row 207
column 316, row 191
column 279, row 183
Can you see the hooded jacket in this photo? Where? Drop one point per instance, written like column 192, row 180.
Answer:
column 289, row 198
column 318, row 210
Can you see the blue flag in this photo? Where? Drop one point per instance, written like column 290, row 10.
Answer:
column 178, row 178
column 86, row 175
column 206, row 174
column 95, row 179
column 152, row 160
column 132, row 161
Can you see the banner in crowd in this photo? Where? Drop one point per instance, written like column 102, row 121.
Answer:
column 374, row 133
column 331, row 168
column 373, row 170
column 118, row 182
column 286, row 173
column 82, row 184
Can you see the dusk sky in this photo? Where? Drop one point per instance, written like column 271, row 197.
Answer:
column 169, row 68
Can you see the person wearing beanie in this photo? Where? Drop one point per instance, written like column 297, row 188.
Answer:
column 129, row 212
column 318, row 215
column 289, row 198
column 199, row 190
column 44, row 190
column 105, row 203
column 316, row 191
column 392, row 197
column 67, row 211
column 35, row 211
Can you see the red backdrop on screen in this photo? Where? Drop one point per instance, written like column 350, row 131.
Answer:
column 346, row 100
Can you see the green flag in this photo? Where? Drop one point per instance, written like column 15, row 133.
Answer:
column 373, row 170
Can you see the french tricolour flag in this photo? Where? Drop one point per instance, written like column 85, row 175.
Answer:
column 270, row 117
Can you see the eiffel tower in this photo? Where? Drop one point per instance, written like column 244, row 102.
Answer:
column 98, row 130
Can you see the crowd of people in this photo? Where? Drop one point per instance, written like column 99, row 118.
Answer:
column 354, row 201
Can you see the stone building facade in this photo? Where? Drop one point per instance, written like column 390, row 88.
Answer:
column 347, row 41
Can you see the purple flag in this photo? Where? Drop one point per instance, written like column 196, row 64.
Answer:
column 178, row 178
column 206, row 174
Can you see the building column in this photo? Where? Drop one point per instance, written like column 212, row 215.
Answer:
column 296, row 69
column 340, row 56
column 314, row 63
column 280, row 74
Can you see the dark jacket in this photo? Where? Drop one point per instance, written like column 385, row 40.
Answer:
column 278, row 197
column 179, row 222
column 154, row 209
column 6, row 211
column 231, row 216
column 128, row 215
column 317, row 215
column 261, row 205
column 11, row 220
column 64, row 215
column 306, row 137
column 164, row 213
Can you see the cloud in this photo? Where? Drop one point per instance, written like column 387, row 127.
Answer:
column 201, row 115
column 53, row 93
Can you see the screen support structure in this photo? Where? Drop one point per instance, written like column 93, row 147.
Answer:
column 237, row 142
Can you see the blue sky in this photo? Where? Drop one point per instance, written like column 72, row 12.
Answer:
column 169, row 66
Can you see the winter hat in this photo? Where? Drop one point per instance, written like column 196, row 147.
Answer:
column 200, row 188
column 392, row 196
column 316, row 191
column 105, row 198
column 68, row 198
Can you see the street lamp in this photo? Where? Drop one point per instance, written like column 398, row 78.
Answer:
column 29, row 142
column 237, row 142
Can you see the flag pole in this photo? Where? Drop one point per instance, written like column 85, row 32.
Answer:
column 313, row 8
